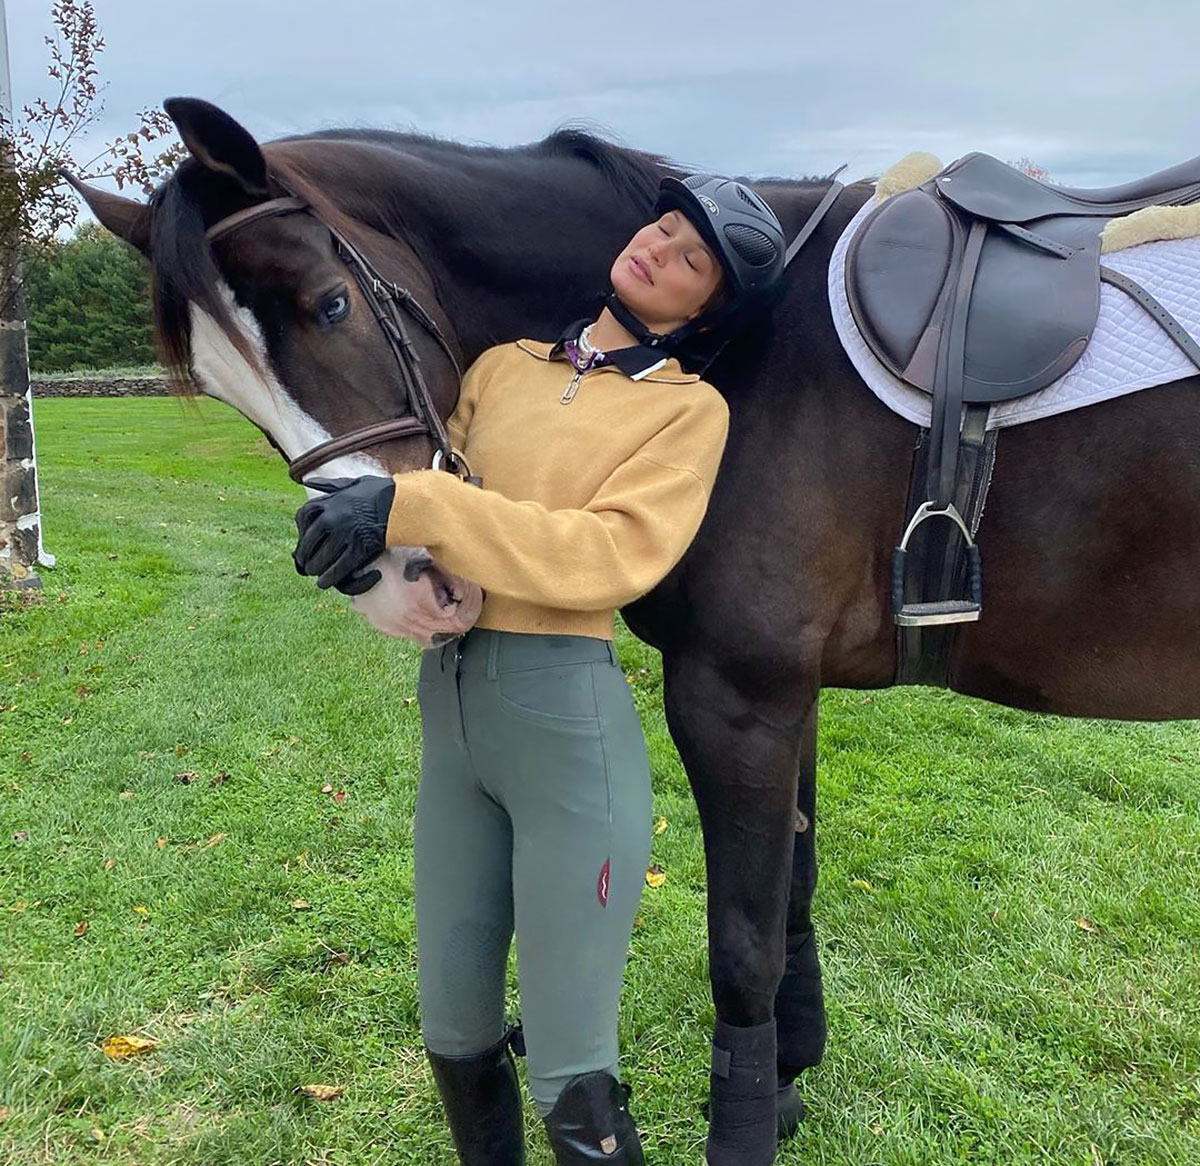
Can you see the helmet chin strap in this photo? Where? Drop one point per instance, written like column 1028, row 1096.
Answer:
column 667, row 341
column 635, row 327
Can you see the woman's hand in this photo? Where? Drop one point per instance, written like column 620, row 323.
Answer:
column 344, row 531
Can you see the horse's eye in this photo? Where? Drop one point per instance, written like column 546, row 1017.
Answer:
column 335, row 308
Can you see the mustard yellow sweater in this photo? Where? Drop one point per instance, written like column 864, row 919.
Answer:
column 585, row 505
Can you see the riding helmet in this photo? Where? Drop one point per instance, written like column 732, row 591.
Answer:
column 745, row 237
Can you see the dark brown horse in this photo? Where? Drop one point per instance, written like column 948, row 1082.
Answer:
column 1091, row 535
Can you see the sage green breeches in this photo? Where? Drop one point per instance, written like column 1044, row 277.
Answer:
column 533, row 817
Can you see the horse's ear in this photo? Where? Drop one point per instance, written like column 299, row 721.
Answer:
column 124, row 217
column 217, row 142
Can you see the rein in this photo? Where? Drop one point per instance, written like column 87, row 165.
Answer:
column 385, row 298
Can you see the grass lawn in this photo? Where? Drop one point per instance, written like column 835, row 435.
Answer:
column 1009, row 912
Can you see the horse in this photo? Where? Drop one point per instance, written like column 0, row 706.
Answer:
column 1091, row 527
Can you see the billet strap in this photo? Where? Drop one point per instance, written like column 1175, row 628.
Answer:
column 1161, row 316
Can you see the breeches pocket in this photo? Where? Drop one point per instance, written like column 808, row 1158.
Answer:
column 558, row 695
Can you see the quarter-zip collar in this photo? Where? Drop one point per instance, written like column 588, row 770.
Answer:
column 639, row 362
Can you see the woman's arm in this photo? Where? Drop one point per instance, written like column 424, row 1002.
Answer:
column 603, row 555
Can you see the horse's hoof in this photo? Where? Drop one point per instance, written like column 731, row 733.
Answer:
column 789, row 1111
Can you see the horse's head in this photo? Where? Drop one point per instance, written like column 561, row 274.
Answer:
column 276, row 313
column 268, row 296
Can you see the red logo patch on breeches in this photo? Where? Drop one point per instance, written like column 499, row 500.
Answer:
column 602, row 884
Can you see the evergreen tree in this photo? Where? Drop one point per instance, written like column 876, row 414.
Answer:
column 89, row 304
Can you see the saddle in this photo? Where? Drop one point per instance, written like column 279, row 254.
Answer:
column 981, row 285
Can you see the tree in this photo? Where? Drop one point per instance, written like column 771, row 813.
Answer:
column 35, row 206
column 89, row 304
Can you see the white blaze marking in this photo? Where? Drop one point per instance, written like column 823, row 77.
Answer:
column 393, row 605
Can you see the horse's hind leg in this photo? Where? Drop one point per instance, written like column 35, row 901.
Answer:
column 800, row 1003
column 741, row 752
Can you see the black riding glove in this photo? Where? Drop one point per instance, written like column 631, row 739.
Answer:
column 344, row 531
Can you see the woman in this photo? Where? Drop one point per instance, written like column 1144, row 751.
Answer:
column 534, row 808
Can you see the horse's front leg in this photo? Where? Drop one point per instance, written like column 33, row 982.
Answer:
column 741, row 751
column 800, row 1003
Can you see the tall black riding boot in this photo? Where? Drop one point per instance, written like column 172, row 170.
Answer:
column 590, row 1122
column 483, row 1104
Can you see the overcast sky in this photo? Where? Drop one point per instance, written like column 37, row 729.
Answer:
column 1096, row 92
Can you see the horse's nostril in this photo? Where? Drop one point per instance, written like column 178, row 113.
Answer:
column 418, row 561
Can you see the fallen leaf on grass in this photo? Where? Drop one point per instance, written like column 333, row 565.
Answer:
column 301, row 905
column 67, row 720
column 655, row 876
column 21, row 836
column 327, row 788
column 1085, row 924
column 660, row 826
column 340, row 796
column 96, row 1133
column 81, row 928
column 215, row 840
column 187, row 778
column 160, row 842
column 862, row 885
column 127, row 1046
column 220, row 778
column 142, row 910
column 109, row 863
column 321, row 1092
column 125, row 794
column 3, row 1113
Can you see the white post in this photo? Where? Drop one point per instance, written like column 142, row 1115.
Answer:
column 21, row 549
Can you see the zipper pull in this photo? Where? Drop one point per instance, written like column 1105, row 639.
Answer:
column 571, row 389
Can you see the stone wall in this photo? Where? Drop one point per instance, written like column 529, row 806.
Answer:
column 93, row 387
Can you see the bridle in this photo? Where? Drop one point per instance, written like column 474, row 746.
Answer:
column 385, row 299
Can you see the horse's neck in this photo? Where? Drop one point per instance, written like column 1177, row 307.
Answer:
column 513, row 251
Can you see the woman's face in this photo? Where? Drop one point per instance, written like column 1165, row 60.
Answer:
column 666, row 274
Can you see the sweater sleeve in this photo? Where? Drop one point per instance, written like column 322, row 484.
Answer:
column 473, row 382
column 604, row 555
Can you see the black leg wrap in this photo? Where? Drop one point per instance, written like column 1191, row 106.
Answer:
column 483, row 1104
column 800, row 1008
column 591, row 1122
column 742, row 1130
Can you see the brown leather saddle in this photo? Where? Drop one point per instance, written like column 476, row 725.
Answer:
column 979, row 286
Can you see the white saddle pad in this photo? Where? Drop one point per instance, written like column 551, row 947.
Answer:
column 1128, row 350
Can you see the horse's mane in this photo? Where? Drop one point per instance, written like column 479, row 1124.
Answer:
column 185, row 272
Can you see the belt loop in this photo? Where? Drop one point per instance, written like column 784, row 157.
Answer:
column 612, row 654
column 493, row 655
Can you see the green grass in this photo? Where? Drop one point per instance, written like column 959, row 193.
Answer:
column 973, row 1018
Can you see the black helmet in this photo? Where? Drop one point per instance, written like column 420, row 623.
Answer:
column 743, row 234
column 738, row 226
